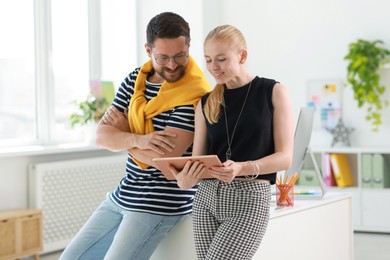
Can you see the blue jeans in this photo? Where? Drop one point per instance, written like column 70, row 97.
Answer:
column 114, row 233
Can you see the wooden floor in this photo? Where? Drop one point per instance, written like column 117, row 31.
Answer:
column 367, row 246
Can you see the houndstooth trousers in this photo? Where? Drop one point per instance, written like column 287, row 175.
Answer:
column 230, row 219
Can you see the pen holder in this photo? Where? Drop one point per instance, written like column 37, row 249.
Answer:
column 285, row 195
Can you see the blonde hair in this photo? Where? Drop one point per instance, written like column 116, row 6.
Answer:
column 212, row 107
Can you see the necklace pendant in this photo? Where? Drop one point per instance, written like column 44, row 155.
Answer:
column 228, row 154
column 230, row 141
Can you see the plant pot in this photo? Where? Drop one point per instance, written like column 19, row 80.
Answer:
column 90, row 132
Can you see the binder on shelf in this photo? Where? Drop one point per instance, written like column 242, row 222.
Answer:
column 308, row 177
column 380, row 176
column 327, row 171
column 341, row 169
column 367, row 181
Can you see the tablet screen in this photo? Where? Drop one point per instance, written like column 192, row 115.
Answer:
column 179, row 162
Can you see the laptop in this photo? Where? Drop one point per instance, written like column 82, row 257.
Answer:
column 301, row 149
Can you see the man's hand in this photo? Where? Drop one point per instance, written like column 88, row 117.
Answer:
column 117, row 119
column 190, row 175
column 158, row 141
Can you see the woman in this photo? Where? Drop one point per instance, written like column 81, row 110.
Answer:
column 247, row 121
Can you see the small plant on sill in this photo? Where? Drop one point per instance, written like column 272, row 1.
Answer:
column 365, row 58
column 91, row 109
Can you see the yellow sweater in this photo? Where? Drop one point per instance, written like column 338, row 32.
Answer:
column 186, row 91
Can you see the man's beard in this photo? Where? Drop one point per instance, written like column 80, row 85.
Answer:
column 179, row 73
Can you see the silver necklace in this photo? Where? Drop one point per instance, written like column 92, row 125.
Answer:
column 230, row 141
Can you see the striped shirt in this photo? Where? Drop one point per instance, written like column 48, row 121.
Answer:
column 148, row 190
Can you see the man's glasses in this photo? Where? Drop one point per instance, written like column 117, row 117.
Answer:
column 178, row 58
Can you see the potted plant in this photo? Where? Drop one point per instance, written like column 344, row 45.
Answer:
column 91, row 109
column 365, row 58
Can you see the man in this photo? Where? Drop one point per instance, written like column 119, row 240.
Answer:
column 160, row 98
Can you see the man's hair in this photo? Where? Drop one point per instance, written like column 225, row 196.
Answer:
column 167, row 25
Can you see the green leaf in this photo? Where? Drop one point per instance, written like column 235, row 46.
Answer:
column 90, row 109
column 364, row 59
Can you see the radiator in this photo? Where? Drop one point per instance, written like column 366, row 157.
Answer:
column 69, row 191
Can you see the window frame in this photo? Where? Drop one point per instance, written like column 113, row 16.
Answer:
column 44, row 77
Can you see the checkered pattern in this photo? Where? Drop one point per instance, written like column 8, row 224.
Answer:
column 230, row 219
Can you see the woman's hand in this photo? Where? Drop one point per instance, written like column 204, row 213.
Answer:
column 227, row 172
column 190, row 175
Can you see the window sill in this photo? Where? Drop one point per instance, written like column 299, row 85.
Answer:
column 47, row 149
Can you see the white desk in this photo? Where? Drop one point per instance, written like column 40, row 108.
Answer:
column 312, row 229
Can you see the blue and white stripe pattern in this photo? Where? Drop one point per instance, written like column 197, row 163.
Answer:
column 148, row 190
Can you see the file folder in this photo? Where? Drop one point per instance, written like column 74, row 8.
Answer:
column 379, row 175
column 308, row 177
column 367, row 169
column 341, row 169
column 327, row 171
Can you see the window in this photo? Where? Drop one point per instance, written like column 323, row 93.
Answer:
column 17, row 72
column 48, row 57
column 118, row 42
column 70, row 62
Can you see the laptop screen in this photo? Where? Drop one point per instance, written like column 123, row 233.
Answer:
column 301, row 150
column 301, row 139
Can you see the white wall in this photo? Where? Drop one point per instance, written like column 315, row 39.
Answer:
column 301, row 40
column 293, row 42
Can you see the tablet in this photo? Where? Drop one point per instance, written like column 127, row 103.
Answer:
column 179, row 162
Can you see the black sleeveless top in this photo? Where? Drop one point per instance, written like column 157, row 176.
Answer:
column 253, row 138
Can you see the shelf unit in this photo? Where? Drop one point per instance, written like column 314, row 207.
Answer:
column 20, row 233
column 370, row 209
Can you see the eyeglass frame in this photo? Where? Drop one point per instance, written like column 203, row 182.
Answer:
column 158, row 58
